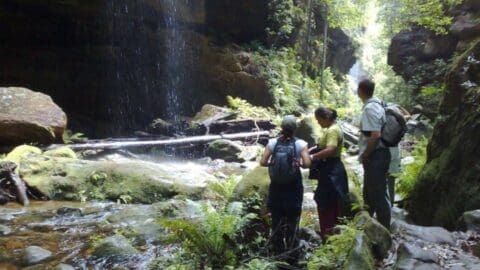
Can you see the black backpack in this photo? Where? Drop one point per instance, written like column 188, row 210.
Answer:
column 395, row 126
column 284, row 167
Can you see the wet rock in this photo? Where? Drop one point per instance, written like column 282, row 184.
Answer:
column 472, row 220
column 257, row 180
column 226, row 150
column 64, row 152
column 309, row 236
column 34, row 255
column 308, row 130
column 379, row 236
column 4, row 230
column 399, row 214
column 360, row 257
column 64, row 267
column 3, row 199
column 69, row 211
column 160, row 126
column 413, row 257
column 466, row 26
column 436, row 235
column 114, row 246
column 123, row 179
column 29, row 117
column 208, row 111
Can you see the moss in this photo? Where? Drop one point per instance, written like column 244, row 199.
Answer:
column 256, row 180
column 73, row 179
column 65, row 152
column 17, row 154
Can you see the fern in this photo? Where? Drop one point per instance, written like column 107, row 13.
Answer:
column 225, row 188
column 70, row 137
column 333, row 254
column 409, row 175
column 209, row 240
column 248, row 111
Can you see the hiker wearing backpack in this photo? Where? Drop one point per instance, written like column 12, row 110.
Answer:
column 374, row 154
column 284, row 156
column 332, row 178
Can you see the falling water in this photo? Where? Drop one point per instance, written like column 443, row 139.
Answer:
column 176, row 51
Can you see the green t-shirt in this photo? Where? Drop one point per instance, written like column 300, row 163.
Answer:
column 333, row 137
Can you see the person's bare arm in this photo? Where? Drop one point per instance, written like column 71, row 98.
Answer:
column 265, row 157
column 330, row 150
column 371, row 145
column 306, row 162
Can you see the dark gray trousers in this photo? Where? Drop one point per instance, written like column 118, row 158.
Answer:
column 375, row 191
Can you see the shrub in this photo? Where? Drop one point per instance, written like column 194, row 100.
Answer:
column 209, row 240
column 409, row 175
column 334, row 253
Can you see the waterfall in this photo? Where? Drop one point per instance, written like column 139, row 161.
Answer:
column 176, row 59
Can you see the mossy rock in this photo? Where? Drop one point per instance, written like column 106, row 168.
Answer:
column 19, row 152
column 448, row 185
column 360, row 256
column 114, row 247
column 64, row 152
column 308, row 130
column 128, row 181
column 379, row 237
column 257, row 180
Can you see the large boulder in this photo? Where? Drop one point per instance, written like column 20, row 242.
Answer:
column 413, row 257
column 360, row 256
column 379, row 237
column 449, row 183
column 415, row 50
column 255, row 181
column 226, row 150
column 126, row 180
column 29, row 117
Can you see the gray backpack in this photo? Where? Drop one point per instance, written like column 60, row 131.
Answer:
column 284, row 166
column 395, row 125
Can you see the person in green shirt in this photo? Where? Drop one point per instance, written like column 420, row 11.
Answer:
column 332, row 177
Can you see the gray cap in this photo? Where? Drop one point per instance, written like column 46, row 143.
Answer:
column 289, row 122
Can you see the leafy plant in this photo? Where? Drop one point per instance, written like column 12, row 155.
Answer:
column 333, row 254
column 248, row 111
column 433, row 90
column 71, row 137
column 209, row 240
column 431, row 14
column 409, row 175
column 225, row 188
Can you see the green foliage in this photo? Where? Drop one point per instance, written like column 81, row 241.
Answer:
column 410, row 172
column 433, row 90
column 293, row 92
column 284, row 17
column 225, row 188
column 431, row 14
column 259, row 264
column 345, row 14
column 246, row 110
column 71, row 137
column 333, row 254
column 209, row 240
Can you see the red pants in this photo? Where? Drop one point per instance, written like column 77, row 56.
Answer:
column 328, row 219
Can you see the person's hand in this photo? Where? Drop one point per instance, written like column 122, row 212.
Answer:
column 363, row 159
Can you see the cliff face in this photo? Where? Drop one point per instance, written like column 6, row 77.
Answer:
column 114, row 65
column 450, row 182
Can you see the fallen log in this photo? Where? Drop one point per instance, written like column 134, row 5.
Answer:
column 7, row 172
column 179, row 141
